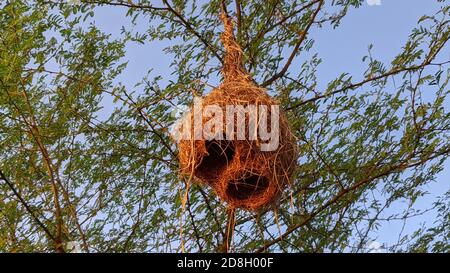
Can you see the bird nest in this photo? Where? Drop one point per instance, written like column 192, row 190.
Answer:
column 238, row 165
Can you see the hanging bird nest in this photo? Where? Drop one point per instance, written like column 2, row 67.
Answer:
column 239, row 171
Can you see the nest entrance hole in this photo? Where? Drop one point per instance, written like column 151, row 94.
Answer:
column 247, row 187
column 219, row 155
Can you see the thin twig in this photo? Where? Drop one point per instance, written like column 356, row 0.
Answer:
column 294, row 52
column 27, row 207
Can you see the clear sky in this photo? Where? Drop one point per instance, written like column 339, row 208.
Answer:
column 386, row 26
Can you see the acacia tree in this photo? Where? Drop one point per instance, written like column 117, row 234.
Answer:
column 70, row 171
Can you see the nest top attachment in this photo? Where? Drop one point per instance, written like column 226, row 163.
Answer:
column 233, row 69
column 241, row 174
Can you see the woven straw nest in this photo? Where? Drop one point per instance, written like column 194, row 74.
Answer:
column 240, row 173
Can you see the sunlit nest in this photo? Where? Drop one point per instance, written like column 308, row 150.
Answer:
column 239, row 172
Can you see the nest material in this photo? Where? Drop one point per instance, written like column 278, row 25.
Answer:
column 240, row 173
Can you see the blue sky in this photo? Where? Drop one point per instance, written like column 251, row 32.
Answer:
column 386, row 26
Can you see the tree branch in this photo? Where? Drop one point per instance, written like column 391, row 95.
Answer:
column 27, row 207
column 300, row 40
column 427, row 61
column 359, row 84
column 128, row 4
column 393, row 169
column 190, row 28
column 238, row 18
column 196, row 232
